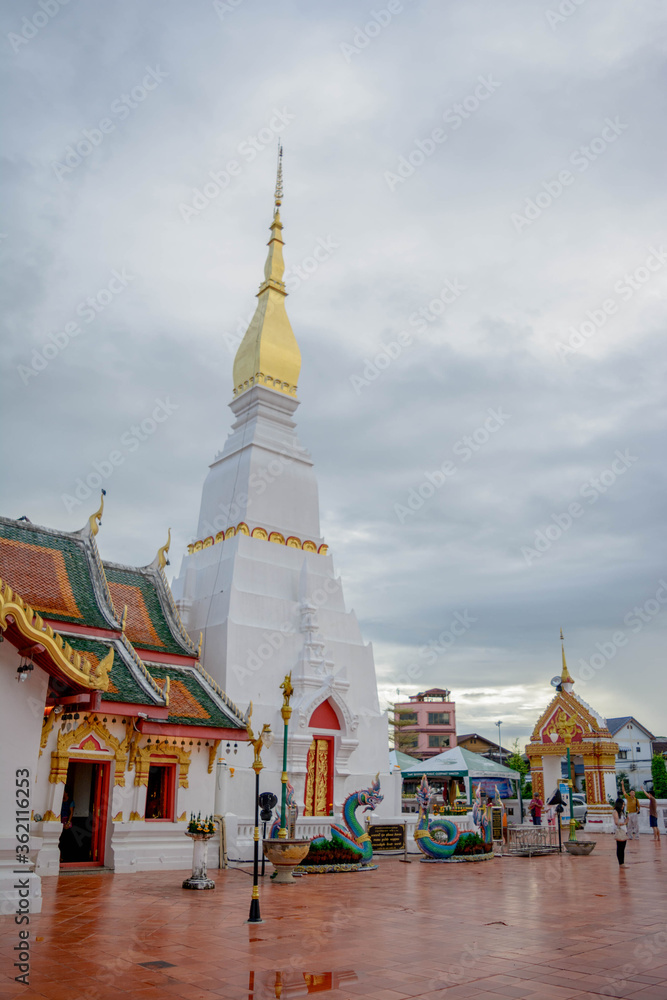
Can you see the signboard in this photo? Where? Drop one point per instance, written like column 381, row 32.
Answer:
column 489, row 787
column 387, row 837
column 497, row 822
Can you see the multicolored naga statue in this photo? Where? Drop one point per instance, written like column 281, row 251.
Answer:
column 439, row 838
column 481, row 814
column 355, row 837
column 291, row 810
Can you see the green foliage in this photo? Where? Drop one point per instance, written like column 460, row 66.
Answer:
column 472, row 843
column 622, row 777
column 517, row 763
column 330, row 853
column 659, row 775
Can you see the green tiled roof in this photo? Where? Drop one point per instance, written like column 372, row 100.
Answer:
column 211, row 714
column 147, row 627
column 56, row 586
column 125, row 686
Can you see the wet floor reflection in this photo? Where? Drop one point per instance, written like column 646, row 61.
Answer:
column 263, row 985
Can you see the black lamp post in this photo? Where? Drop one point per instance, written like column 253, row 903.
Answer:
column 257, row 743
column 267, row 801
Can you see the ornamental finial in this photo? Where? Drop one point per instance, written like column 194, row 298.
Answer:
column 565, row 673
column 279, row 177
column 161, row 557
column 95, row 519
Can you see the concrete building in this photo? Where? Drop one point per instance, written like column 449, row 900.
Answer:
column 426, row 724
column 635, row 749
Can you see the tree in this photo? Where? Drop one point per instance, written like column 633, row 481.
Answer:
column 622, row 778
column 402, row 741
column 517, row 763
column 659, row 775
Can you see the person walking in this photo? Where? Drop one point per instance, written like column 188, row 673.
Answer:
column 632, row 809
column 621, row 824
column 652, row 806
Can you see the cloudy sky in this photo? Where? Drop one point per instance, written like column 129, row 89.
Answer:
column 498, row 166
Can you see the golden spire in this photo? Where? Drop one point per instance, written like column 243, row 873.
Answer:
column 565, row 674
column 269, row 354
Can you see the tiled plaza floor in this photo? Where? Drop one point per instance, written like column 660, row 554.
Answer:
column 539, row 929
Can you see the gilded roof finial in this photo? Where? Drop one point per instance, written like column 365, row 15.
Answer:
column 123, row 620
column 95, row 520
column 269, row 354
column 279, row 177
column 161, row 557
column 565, row 674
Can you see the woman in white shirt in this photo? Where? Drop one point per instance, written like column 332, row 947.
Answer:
column 621, row 824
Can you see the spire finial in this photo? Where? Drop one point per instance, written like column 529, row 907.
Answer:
column 161, row 557
column 269, row 354
column 279, row 178
column 95, row 520
column 565, row 673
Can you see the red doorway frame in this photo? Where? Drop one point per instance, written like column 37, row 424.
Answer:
column 101, row 778
column 330, row 769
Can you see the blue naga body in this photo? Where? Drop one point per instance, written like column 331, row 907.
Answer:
column 355, row 838
column 440, row 847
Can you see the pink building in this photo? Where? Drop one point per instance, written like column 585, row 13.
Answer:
column 428, row 723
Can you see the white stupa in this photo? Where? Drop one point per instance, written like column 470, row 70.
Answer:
column 261, row 587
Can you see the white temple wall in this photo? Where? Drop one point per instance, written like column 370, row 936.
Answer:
column 263, row 476
column 21, row 714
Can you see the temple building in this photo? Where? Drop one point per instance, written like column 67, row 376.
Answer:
column 109, row 722
column 259, row 583
column 566, row 722
column 118, row 699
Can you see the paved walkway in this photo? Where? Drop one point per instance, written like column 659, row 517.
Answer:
column 541, row 929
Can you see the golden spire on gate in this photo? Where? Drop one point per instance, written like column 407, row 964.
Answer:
column 565, row 674
column 269, row 354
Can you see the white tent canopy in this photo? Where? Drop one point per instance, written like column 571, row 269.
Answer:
column 460, row 763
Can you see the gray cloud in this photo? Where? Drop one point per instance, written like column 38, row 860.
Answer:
column 163, row 335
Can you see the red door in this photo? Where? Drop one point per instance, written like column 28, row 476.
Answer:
column 82, row 844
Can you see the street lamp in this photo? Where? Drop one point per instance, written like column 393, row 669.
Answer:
column 500, row 749
column 265, row 739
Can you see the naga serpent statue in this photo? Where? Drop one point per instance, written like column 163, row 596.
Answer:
column 291, row 810
column 439, row 838
column 355, row 837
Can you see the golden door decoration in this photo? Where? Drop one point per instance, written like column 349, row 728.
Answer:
column 317, row 778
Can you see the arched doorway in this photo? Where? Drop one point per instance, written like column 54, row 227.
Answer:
column 318, row 798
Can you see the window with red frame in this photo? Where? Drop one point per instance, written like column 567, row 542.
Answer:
column 160, row 794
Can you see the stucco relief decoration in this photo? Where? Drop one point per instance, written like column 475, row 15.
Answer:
column 565, row 726
column 144, row 756
column 91, row 737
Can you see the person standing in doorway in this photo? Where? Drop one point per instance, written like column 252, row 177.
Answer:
column 632, row 808
column 621, row 824
column 652, row 806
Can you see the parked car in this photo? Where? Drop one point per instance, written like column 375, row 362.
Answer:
column 579, row 807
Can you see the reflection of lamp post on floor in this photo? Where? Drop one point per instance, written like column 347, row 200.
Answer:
column 264, row 739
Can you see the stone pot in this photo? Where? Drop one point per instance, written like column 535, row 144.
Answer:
column 285, row 855
column 199, row 878
column 579, row 847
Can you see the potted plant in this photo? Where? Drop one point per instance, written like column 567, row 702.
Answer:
column 200, row 832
